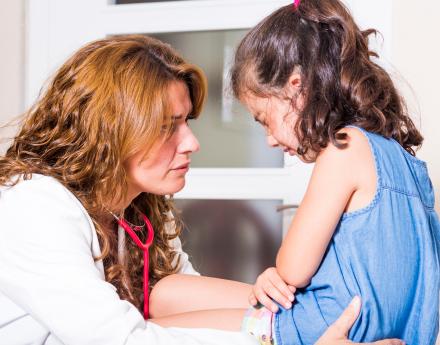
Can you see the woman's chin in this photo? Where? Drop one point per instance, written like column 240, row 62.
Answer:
column 176, row 187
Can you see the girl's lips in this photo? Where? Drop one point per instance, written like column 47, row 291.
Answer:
column 291, row 152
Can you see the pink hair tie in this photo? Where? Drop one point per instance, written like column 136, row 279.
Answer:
column 296, row 3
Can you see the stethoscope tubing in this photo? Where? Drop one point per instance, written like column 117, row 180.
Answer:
column 145, row 248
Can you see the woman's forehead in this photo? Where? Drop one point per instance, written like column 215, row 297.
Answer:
column 180, row 100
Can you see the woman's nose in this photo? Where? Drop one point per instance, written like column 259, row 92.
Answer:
column 271, row 141
column 189, row 142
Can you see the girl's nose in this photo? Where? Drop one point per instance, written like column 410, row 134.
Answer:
column 271, row 141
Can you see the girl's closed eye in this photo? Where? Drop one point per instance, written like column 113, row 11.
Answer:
column 260, row 120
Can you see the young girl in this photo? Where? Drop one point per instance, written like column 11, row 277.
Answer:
column 367, row 224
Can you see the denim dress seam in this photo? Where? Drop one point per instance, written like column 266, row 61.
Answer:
column 278, row 338
column 409, row 194
column 414, row 159
column 401, row 191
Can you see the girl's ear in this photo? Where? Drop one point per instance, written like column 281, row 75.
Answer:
column 294, row 84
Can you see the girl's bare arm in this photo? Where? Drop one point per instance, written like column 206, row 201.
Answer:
column 340, row 178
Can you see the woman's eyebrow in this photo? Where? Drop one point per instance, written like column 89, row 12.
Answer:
column 180, row 116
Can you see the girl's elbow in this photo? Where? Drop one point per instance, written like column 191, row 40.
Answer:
column 299, row 284
column 295, row 280
column 292, row 276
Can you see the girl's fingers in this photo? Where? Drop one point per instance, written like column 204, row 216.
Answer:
column 282, row 287
column 253, row 300
column 292, row 288
column 274, row 292
column 265, row 300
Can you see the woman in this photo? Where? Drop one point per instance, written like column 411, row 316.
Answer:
column 106, row 142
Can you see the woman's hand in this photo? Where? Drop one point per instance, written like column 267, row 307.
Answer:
column 337, row 333
column 268, row 286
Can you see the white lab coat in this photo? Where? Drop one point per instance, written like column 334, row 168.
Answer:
column 51, row 290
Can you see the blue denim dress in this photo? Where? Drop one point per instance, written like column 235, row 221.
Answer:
column 387, row 253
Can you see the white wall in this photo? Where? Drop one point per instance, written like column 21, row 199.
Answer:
column 11, row 62
column 416, row 55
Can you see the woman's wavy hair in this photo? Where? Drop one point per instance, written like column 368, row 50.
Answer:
column 341, row 84
column 107, row 102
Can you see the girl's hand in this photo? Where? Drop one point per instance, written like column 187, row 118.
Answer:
column 270, row 285
column 337, row 333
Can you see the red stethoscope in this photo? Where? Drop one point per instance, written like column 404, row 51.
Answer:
column 144, row 246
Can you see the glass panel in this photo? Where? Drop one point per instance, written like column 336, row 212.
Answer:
column 231, row 239
column 228, row 135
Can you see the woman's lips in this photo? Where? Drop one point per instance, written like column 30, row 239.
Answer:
column 183, row 168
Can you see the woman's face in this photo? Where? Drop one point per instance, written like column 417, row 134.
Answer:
column 162, row 170
column 278, row 117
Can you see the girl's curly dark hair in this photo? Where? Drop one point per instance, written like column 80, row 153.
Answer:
column 341, row 84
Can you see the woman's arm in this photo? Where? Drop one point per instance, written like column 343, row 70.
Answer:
column 338, row 176
column 337, row 333
column 182, row 293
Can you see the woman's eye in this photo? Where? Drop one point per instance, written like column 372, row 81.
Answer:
column 169, row 128
column 189, row 118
